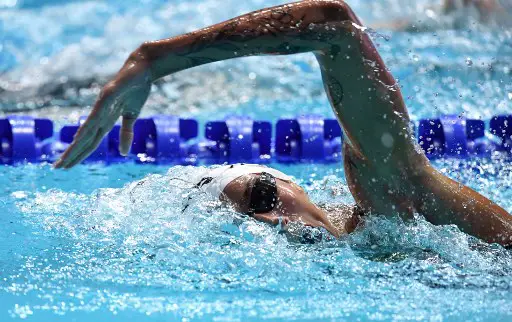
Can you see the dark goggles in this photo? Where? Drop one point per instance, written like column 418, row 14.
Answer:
column 263, row 194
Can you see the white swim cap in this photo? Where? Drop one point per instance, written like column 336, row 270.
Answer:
column 213, row 181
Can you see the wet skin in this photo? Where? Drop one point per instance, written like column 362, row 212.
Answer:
column 293, row 205
column 386, row 171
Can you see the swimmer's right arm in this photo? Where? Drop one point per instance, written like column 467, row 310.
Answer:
column 306, row 26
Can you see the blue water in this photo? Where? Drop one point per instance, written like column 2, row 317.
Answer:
column 56, row 54
column 117, row 244
column 103, row 243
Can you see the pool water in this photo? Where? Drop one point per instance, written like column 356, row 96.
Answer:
column 98, row 242
column 58, row 53
column 103, row 243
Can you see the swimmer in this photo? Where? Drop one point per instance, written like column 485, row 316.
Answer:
column 387, row 172
column 270, row 196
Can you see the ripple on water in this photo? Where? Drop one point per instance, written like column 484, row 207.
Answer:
column 133, row 249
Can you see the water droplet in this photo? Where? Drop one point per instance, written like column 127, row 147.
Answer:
column 469, row 62
column 387, row 140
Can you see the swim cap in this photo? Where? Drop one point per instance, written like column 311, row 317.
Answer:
column 213, row 181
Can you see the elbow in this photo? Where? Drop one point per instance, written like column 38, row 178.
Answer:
column 338, row 10
column 141, row 54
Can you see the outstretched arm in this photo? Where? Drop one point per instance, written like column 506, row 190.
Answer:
column 308, row 26
column 289, row 29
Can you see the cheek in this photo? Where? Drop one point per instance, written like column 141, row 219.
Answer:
column 287, row 203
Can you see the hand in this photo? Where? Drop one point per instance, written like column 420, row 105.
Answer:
column 124, row 96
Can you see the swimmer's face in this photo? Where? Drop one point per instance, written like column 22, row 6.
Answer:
column 292, row 204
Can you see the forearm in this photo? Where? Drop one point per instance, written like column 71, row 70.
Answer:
column 445, row 201
column 287, row 29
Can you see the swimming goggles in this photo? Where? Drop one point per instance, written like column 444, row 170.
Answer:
column 263, row 194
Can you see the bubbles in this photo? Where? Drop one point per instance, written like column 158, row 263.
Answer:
column 89, row 247
column 119, row 244
column 67, row 64
column 8, row 3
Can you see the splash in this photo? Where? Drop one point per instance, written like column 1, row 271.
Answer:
column 67, row 64
column 133, row 249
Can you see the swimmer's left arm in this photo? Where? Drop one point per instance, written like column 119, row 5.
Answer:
column 306, row 26
column 299, row 27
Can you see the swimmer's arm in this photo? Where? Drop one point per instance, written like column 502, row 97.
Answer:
column 282, row 30
column 319, row 26
column 288, row 29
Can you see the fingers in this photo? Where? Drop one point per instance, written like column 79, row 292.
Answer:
column 111, row 104
column 85, row 151
column 85, row 134
column 74, row 149
column 84, row 145
column 58, row 164
column 126, row 135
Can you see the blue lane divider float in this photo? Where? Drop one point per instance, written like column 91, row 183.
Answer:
column 308, row 138
column 453, row 136
column 68, row 132
column 24, row 138
column 501, row 126
column 236, row 139
column 161, row 138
